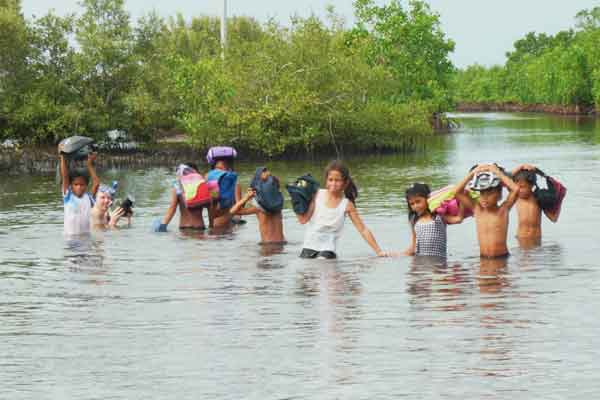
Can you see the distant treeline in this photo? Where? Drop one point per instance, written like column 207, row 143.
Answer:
column 561, row 69
column 278, row 88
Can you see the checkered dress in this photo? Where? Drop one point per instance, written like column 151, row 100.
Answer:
column 431, row 237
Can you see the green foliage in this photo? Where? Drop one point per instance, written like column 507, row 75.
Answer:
column 543, row 69
column 412, row 44
column 306, row 87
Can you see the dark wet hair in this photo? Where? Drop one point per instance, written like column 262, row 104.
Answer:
column 351, row 191
column 79, row 173
column 415, row 190
column 526, row 175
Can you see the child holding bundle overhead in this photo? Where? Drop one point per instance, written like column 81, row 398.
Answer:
column 491, row 218
column 221, row 173
column 267, row 206
column 428, row 228
column 78, row 201
column 533, row 200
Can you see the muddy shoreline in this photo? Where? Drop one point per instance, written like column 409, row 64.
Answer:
column 44, row 159
column 529, row 108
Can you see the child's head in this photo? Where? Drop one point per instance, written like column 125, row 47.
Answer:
column 416, row 199
column 526, row 180
column 104, row 198
column 79, row 180
column 337, row 178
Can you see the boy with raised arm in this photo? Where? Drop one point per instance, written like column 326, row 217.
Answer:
column 267, row 205
column 491, row 219
column 78, row 202
column 529, row 211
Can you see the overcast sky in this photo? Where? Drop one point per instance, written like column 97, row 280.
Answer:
column 482, row 29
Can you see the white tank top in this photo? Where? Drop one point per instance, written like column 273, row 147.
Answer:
column 77, row 213
column 325, row 225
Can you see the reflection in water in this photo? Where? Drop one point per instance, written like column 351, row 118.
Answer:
column 85, row 253
column 436, row 284
column 492, row 277
column 529, row 243
column 335, row 292
column 270, row 256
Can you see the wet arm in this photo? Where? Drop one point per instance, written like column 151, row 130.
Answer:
column 172, row 208
column 64, row 172
column 238, row 207
column 413, row 243
column 304, row 218
column 511, row 185
column 93, row 175
column 463, row 198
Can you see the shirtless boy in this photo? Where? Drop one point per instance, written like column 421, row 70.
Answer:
column 491, row 218
column 528, row 210
column 270, row 224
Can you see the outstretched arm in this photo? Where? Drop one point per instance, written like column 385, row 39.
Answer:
column 363, row 230
column 413, row 243
column 238, row 208
column 92, row 171
column 172, row 208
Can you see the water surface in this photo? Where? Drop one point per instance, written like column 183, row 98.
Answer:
column 133, row 314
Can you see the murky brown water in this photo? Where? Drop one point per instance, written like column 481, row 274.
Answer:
column 133, row 314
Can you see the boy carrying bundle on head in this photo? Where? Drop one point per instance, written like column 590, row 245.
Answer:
column 491, row 218
column 267, row 205
column 532, row 201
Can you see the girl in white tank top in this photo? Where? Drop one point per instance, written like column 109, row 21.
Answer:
column 327, row 212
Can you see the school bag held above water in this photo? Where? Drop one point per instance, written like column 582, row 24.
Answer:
column 195, row 189
column 302, row 192
column 444, row 202
column 550, row 198
column 222, row 184
column 268, row 195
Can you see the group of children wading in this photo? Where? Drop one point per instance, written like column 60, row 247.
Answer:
column 324, row 210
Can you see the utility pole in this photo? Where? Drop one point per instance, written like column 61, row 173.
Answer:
column 224, row 29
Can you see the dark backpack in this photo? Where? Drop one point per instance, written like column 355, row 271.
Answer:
column 268, row 195
column 227, row 181
column 302, row 192
column 550, row 197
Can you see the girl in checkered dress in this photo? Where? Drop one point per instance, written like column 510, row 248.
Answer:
column 428, row 230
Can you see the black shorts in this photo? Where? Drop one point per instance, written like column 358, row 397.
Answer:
column 310, row 253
